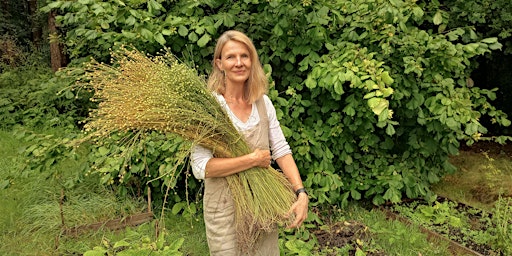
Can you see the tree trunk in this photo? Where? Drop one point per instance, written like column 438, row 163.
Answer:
column 36, row 29
column 58, row 59
column 5, row 8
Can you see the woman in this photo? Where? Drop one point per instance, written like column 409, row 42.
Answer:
column 239, row 83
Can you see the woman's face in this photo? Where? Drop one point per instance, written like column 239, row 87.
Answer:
column 235, row 61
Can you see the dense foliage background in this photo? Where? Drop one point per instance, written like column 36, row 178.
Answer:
column 373, row 95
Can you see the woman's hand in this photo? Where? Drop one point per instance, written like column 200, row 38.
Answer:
column 300, row 210
column 261, row 158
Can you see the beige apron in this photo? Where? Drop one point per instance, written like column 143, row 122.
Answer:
column 219, row 210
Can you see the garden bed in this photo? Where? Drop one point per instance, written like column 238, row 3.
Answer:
column 471, row 230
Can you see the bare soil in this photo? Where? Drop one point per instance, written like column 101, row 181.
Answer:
column 492, row 148
column 340, row 234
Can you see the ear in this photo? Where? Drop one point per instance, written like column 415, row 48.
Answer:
column 218, row 62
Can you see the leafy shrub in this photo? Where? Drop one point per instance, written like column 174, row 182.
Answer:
column 371, row 96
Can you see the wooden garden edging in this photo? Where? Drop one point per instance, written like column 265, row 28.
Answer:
column 115, row 224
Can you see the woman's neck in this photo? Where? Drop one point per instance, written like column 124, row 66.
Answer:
column 234, row 92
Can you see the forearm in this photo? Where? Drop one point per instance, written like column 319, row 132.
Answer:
column 290, row 170
column 222, row 167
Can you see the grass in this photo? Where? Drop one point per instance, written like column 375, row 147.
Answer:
column 481, row 178
column 30, row 212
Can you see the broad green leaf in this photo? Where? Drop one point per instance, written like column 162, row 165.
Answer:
column 338, row 87
column 495, row 46
column 176, row 244
column 135, row 13
column 96, row 252
column 378, row 105
column 386, row 78
column 193, row 37
column 310, row 83
column 167, row 32
column 452, row 124
column 176, row 208
column 386, row 92
column 103, row 151
column 417, row 11
column 204, row 40
column 277, row 31
column 121, row 243
column 438, row 18
column 160, row 38
column 355, row 194
column 390, row 130
column 148, row 35
column 183, row 31
column 490, row 40
column 105, row 25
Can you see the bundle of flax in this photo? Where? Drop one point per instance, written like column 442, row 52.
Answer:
column 140, row 92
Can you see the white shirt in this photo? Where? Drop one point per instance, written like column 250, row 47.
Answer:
column 278, row 144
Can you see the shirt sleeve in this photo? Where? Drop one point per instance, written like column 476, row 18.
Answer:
column 199, row 156
column 278, row 144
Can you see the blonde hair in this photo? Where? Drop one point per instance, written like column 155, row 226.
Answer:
column 257, row 84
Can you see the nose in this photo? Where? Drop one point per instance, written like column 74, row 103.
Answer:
column 238, row 61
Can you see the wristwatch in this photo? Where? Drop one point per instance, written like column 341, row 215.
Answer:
column 301, row 190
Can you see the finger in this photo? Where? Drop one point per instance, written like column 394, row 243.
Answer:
column 295, row 223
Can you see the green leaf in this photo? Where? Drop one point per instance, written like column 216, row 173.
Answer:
column 105, row 25
column 147, row 34
column 121, row 243
column 176, row 208
column 4, row 184
column 103, row 151
column 167, row 32
column 386, row 78
column 390, row 130
column 204, row 40
column 438, row 18
column 310, row 83
column 176, row 244
column 96, row 252
column 417, row 11
column 105, row 178
column 160, row 38
column 183, row 31
column 490, row 40
column 452, row 124
column 277, row 31
column 378, row 105
column 355, row 194
column 193, row 37
column 338, row 87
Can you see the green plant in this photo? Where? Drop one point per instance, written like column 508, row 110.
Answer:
column 138, row 244
column 502, row 225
